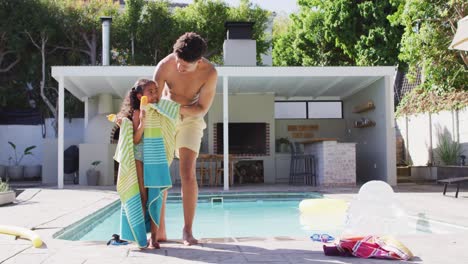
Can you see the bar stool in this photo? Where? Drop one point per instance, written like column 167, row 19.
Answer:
column 302, row 167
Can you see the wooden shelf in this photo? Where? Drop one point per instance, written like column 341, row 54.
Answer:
column 370, row 124
column 364, row 107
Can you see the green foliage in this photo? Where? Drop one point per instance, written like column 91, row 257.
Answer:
column 82, row 26
column 339, row 32
column 448, row 150
column 15, row 159
column 71, row 33
column 4, row 186
column 155, row 33
column 429, row 101
column 247, row 12
column 207, row 18
column 429, row 27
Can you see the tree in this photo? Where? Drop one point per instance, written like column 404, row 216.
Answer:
column 43, row 28
column 11, row 43
column 247, row 12
column 206, row 17
column 339, row 32
column 304, row 42
column 133, row 9
column 155, row 32
column 83, row 24
column 429, row 27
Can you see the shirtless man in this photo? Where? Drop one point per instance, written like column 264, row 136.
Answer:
column 190, row 80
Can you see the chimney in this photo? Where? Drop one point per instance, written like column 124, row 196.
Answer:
column 239, row 48
column 106, row 25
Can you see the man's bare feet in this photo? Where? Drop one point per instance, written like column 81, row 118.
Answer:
column 152, row 244
column 188, row 238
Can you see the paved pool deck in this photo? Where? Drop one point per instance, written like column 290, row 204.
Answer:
column 47, row 210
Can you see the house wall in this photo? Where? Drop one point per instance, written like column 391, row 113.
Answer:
column 371, row 147
column 247, row 108
column 327, row 128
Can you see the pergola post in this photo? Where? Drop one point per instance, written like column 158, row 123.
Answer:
column 86, row 111
column 61, row 114
column 226, row 133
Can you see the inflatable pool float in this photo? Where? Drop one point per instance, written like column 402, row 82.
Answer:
column 323, row 215
column 323, row 206
column 23, row 233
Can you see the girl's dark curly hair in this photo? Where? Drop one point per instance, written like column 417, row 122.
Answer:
column 131, row 101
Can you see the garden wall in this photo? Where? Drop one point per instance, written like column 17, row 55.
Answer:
column 420, row 135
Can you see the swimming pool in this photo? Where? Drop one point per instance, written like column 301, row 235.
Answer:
column 230, row 218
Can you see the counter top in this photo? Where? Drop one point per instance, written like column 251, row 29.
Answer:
column 316, row 140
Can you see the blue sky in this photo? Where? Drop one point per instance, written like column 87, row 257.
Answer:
column 288, row 6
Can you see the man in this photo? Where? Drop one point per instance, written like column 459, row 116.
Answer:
column 190, row 80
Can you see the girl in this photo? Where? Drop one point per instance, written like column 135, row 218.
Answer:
column 131, row 109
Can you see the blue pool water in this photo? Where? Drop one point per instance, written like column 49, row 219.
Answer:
column 260, row 218
column 230, row 219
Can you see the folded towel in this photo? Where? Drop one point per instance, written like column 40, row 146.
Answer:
column 158, row 152
column 132, row 220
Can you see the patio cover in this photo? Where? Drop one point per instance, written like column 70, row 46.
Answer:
column 460, row 40
column 311, row 83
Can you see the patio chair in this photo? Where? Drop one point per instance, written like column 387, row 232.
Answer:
column 302, row 167
column 204, row 168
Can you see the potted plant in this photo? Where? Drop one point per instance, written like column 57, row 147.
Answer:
column 448, row 150
column 283, row 144
column 6, row 194
column 92, row 174
column 15, row 170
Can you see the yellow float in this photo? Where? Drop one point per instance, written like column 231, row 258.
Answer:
column 325, row 215
column 23, row 233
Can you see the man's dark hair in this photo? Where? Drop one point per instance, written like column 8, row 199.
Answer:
column 190, row 47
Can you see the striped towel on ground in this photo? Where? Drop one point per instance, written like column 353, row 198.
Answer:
column 158, row 152
column 385, row 247
column 132, row 221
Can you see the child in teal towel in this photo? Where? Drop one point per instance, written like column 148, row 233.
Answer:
column 131, row 109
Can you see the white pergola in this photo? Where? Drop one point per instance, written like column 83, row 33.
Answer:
column 332, row 83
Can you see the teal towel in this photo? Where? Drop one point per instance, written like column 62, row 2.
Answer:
column 158, row 152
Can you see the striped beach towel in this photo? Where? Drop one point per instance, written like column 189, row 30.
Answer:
column 132, row 221
column 158, row 152
column 385, row 247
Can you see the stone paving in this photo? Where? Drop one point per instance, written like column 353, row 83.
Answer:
column 48, row 210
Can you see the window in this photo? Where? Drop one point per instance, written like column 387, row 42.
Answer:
column 308, row 109
column 290, row 110
column 317, row 109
